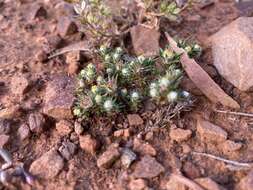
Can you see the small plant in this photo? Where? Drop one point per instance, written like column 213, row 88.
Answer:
column 122, row 83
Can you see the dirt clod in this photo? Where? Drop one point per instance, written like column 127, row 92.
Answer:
column 191, row 171
column 134, row 120
column 208, row 184
column 64, row 127
column 137, row 184
column 210, row 132
column 108, row 157
column 36, row 122
column 88, row 144
column 247, row 182
column 143, row 148
column 59, row 97
column 24, row 132
column 19, row 85
column 180, row 135
column 148, row 168
column 230, row 146
column 48, row 165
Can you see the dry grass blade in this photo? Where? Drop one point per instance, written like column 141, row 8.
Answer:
column 235, row 113
column 80, row 46
column 201, row 79
column 231, row 162
column 189, row 183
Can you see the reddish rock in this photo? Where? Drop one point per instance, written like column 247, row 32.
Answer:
column 230, row 146
column 137, row 184
column 145, row 40
column 72, row 59
column 191, row 171
column 208, row 184
column 48, row 165
column 36, row 10
column 36, row 122
column 88, row 144
column 19, row 85
column 66, row 26
column 10, row 112
column 180, row 135
column 24, row 132
column 143, row 148
column 67, row 150
column 246, row 183
column 134, row 120
column 210, row 132
column 108, row 157
column 125, row 133
column 60, row 97
column 4, row 139
column 173, row 184
column 148, row 168
column 64, row 127
column 233, row 54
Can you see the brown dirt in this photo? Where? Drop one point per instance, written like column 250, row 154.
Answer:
column 20, row 42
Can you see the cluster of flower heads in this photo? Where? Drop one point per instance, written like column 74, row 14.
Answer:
column 122, row 83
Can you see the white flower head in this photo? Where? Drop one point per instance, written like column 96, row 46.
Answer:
column 79, row 8
column 154, row 93
column 153, row 85
column 108, row 105
column 164, row 82
column 172, row 96
column 125, row 72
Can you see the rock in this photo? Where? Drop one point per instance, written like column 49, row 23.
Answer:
column 148, row 168
column 64, row 9
column 72, row 59
column 24, row 132
column 191, row 171
column 88, row 144
column 208, row 184
column 36, row 122
column 66, row 26
column 134, row 120
column 230, row 146
column 210, row 132
column 48, row 165
column 64, row 127
column 51, row 42
column 127, row 157
column 137, row 184
column 232, row 52
column 206, row 3
column 78, row 128
column 41, row 56
column 125, row 133
column 19, row 85
column 180, row 135
column 108, row 157
column 67, row 150
column 4, row 139
column 5, row 126
column 60, row 97
column 36, row 11
column 145, row 40
column 246, row 183
column 11, row 112
column 175, row 185
column 143, row 148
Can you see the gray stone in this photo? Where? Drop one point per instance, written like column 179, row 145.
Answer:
column 67, row 150
column 233, row 53
column 127, row 157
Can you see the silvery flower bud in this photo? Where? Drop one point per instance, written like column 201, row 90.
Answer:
column 164, row 82
column 116, row 56
column 108, row 105
column 77, row 111
column 135, row 97
column 124, row 91
column 100, row 80
column 81, row 83
column 153, row 85
column 119, row 50
column 107, row 58
column 94, row 89
column 98, row 99
column 172, row 96
column 185, row 94
column 125, row 72
column 188, row 49
column 109, row 71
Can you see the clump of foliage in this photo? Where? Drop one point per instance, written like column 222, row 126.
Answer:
column 122, row 83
